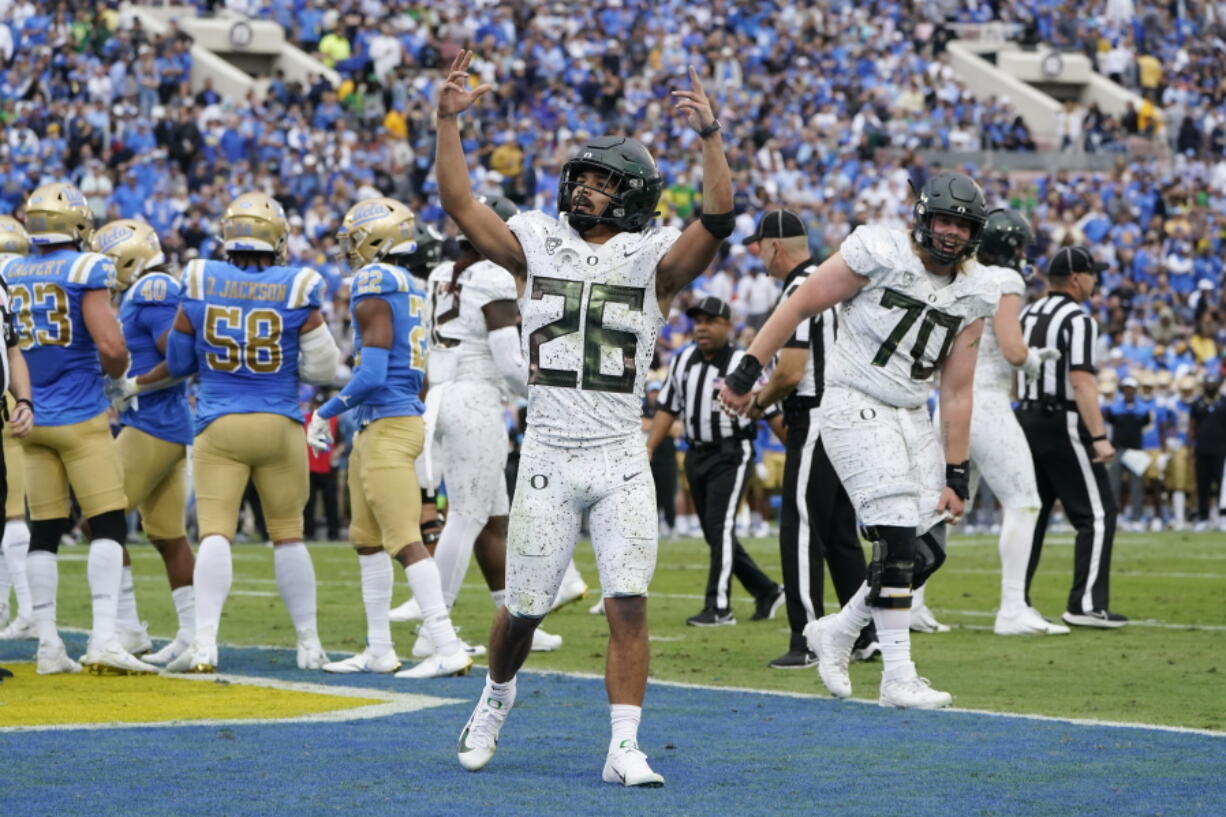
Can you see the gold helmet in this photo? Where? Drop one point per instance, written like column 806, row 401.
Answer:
column 376, row 228
column 1187, row 384
column 132, row 245
column 255, row 222
column 13, row 236
column 58, row 214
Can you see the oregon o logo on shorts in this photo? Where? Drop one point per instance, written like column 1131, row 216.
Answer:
column 539, row 481
column 868, row 414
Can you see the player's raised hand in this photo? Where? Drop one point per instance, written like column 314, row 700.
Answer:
column 694, row 104
column 456, row 96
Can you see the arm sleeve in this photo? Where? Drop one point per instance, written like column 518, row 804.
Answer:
column 509, row 357
column 1083, row 337
column 181, row 354
column 318, row 356
column 370, row 375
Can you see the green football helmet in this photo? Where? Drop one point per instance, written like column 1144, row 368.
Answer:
column 949, row 194
column 634, row 183
column 1004, row 240
column 429, row 252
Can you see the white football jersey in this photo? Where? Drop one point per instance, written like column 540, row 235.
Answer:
column 897, row 331
column 590, row 320
column 459, row 339
column 992, row 371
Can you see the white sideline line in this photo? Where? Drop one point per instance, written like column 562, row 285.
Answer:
column 1140, row 573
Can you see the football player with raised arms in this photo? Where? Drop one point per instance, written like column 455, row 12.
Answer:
column 157, row 424
column 390, row 346
column 913, row 303
column 251, row 328
column 71, row 340
column 597, row 283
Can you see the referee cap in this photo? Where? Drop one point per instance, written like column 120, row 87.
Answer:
column 710, row 305
column 1069, row 260
column 777, row 224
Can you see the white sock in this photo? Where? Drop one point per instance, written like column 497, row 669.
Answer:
column 376, row 570
column 44, row 573
column 1179, row 510
column 6, row 581
column 428, row 590
column 296, row 581
column 185, row 606
column 499, row 597
column 504, row 693
column 104, row 569
column 1016, row 538
column 16, row 546
column 212, row 579
column 894, row 634
column 917, row 597
column 454, row 551
column 625, row 722
column 127, row 615
column 856, row 614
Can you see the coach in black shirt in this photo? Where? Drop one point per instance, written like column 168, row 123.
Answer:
column 719, row 456
column 1208, row 442
column 1063, row 423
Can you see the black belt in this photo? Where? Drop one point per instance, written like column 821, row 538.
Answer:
column 730, row 443
column 797, row 403
column 1048, row 404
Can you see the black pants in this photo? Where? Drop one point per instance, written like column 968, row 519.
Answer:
column 1209, row 475
column 323, row 484
column 664, row 472
column 718, row 475
column 817, row 522
column 1064, row 469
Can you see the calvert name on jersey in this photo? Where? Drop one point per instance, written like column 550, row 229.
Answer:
column 590, row 320
column 147, row 311
column 399, row 396
column 459, row 339
column 897, row 329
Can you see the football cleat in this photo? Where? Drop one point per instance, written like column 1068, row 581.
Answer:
column 866, row 647
column 135, row 642
column 923, row 621
column 365, row 661
column 573, row 591
column 1099, row 619
column 794, row 659
column 912, row 693
column 479, row 739
column 833, row 648
column 764, row 609
column 18, row 628
column 711, row 617
column 628, row 766
column 597, row 609
column 201, row 657
column 543, row 641
column 423, row 647
column 409, row 611
column 170, row 652
column 53, row 660
column 438, row 666
column 311, row 653
column 1026, row 621
column 112, row 659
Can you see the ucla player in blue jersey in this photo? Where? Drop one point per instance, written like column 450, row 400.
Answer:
column 70, row 339
column 157, row 425
column 252, row 330
column 385, row 390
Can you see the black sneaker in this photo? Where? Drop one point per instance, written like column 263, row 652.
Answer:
column 766, row 607
column 711, row 617
column 866, row 646
column 794, row 659
column 1101, row 619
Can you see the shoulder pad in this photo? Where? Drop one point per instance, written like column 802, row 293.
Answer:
column 442, row 272
column 306, row 291
column 92, row 270
column 155, row 288
column 871, row 248
column 380, row 279
column 193, row 279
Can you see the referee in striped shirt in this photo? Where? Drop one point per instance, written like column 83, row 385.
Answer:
column 719, row 456
column 1060, row 415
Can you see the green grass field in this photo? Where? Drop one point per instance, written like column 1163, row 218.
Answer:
column 1168, row 667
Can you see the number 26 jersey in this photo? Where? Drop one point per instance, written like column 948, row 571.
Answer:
column 896, row 332
column 590, row 320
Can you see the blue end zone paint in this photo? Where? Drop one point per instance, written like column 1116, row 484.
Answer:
column 722, row 752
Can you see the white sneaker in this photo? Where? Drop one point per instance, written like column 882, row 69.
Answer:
column 567, row 593
column 923, row 621
column 912, row 693
column 1155, row 525
column 365, row 661
column 543, row 641
column 423, row 647
column 833, row 649
column 53, row 660
column 1025, row 621
column 112, row 659
column 201, row 657
column 311, row 653
column 628, row 766
column 170, row 652
column 438, row 666
column 409, row 611
column 479, row 739
column 597, row 609
column 135, row 642
column 18, row 628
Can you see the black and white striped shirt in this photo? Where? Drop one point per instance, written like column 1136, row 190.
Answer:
column 1058, row 321
column 691, row 390
column 817, row 335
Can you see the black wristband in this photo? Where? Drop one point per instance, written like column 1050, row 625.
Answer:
column 709, row 130
column 741, row 379
column 957, row 477
column 25, row 400
column 1099, row 438
column 719, row 225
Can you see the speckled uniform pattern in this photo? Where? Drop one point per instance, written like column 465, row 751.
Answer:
column 469, row 449
column 993, row 374
column 459, row 339
column 1000, row 453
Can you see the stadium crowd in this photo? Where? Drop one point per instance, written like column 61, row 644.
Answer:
column 825, row 107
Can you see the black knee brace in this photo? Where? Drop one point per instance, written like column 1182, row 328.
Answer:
column 45, row 533
column 929, row 554
column 110, row 525
column 431, row 531
column 893, row 564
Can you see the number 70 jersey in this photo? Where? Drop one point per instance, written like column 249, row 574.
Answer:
column 896, row 332
column 590, row 321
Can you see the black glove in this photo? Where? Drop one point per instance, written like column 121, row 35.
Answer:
column 745, row 375
column 957, row 477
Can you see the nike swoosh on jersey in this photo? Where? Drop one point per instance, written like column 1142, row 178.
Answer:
column 630, row 477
